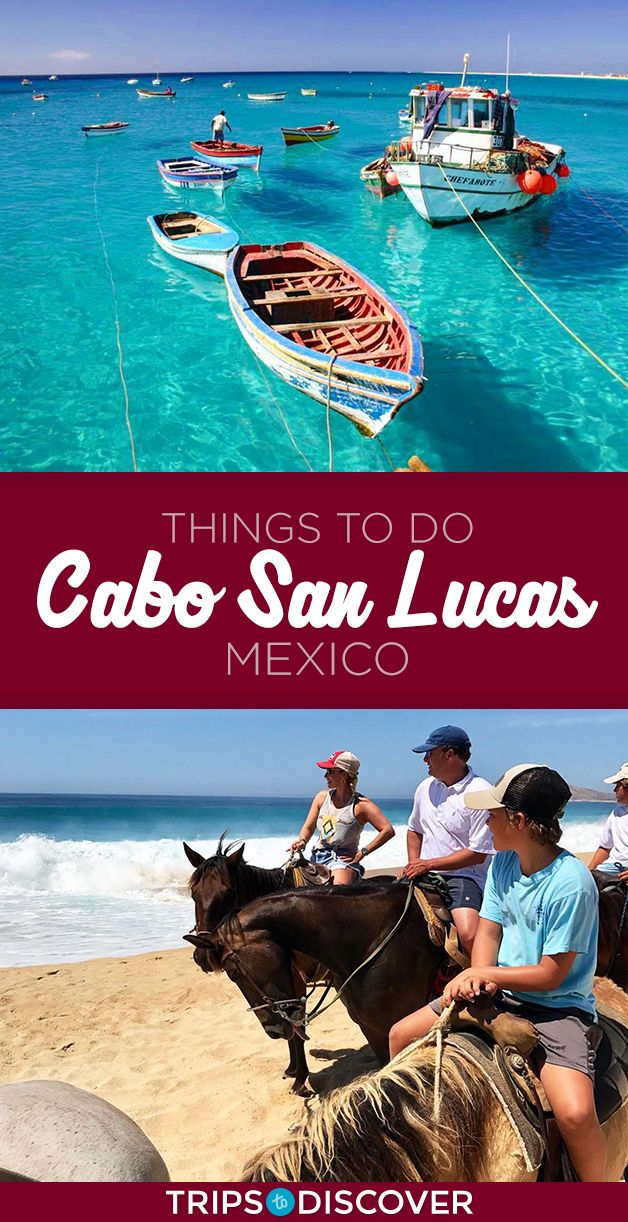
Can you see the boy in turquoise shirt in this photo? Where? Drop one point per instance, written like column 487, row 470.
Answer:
column 536, row 950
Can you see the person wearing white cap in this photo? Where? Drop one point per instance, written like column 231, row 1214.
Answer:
column 444, row 835
column 612, row 855
column 339, row 814
column 535, row 951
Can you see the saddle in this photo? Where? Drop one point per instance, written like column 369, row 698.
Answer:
column 429, row 893
column 502, row 1046
column 308, row 873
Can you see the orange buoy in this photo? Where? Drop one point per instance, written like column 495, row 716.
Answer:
column 531, row 181
column 548, row 185
column 563, row 170
column 391, row 178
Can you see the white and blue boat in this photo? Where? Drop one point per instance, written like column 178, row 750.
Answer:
column 194, row 238
column 326, row 330
column 192, row 172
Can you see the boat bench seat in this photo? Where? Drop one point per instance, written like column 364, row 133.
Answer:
column 337, row 322
column 278, row 274
column 277, row 296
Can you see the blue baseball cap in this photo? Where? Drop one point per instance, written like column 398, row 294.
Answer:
column 445, row 736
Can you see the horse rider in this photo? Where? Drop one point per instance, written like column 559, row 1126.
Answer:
column 338, row 814
column 612, row 855
column 444, row 835
column 535, row 951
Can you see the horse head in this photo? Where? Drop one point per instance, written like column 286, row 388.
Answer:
column 262, row 970
column 214, row 884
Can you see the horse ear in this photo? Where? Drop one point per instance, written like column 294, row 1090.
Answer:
column 235, row 858
column 193, row 857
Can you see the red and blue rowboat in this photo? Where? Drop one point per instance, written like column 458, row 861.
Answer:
column 192, row 172
column 229, row 152
column 326, row 330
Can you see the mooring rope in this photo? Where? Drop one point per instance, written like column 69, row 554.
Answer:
column 125, row 389
column 528, row 287
column 599, row 206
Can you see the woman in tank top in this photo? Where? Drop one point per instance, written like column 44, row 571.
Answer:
column 337, row 816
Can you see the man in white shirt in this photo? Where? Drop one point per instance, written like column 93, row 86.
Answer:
column 219, row 122
column 612, row 855
column 444, row 834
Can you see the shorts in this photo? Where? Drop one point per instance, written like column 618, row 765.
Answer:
column 564, row 1033
column 328, row 857
column 462, row 892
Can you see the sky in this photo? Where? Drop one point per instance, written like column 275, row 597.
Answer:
column 264, row 752
column 44, row 36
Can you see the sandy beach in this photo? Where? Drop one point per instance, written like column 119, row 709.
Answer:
column 174, row 1049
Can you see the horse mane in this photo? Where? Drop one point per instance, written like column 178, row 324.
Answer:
column 248, row 882
column 380, row 1127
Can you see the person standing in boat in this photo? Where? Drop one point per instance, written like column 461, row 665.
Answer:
column 339, row 814
column 219, row 122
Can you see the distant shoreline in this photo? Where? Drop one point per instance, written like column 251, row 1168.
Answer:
column 568, row 76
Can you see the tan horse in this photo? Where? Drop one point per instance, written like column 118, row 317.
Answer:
column 381, row 1127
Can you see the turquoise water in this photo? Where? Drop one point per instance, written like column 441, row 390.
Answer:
column 507, row 389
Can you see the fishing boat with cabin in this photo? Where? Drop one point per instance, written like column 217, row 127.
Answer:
column 267, row 97
column 309, row 135
column 326, row 329
column 192, row 172
column 103, row 129
column 465, row 157
column 229, row 152
column 194, row 238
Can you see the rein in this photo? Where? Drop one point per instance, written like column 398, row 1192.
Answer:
column 275, row 1005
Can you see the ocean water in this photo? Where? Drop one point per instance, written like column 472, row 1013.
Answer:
column 507, row 389
column 87, row 876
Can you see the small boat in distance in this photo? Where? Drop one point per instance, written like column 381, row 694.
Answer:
column 132, row 80
column 192, row 172
column 307, row 135
column 404, row 115
column 26, row 81
column 375, row 176
column 229, row 152
column 228, row 84
column 309, row 93
column 157, row 78
column 326, row 330
column 267, row 97
column 185, row 80
column 156, row 93
column 103, row 129
column 194, row 238
column 54, row 77
column 40, row 97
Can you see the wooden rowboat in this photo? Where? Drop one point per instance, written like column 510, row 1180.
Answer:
column 103, row 129
column 40, row 97
column 307, row 135
column 267, row 97
column 326, row 330
column 194, row 238
column 156, row 93
column 192, row 172
column 229, row 152
column 374, row 175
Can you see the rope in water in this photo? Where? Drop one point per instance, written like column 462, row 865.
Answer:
column 601, row 209
column 125, row 389
column 533, row 293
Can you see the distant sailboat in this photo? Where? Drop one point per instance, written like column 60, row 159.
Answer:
column 157, row 79
column 54, row 77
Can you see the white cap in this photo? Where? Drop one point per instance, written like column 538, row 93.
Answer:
column 622, row 775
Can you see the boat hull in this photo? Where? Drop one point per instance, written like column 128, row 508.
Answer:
column 484, row 194
column 367, row 395
column 104, row 130
column 266, row 97
column 229, row 153
column 296, row 135
column 207, row 251
column 222, row 177
column 155, row 93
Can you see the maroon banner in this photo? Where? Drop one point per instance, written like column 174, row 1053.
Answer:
column 305, row 591
column 241, row 1202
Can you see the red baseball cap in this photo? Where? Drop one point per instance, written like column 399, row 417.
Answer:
column 345, row 760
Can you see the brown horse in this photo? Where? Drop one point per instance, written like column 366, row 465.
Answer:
column 342, row 928
column 612, row 951
column 223, row 884
column 381, row 1128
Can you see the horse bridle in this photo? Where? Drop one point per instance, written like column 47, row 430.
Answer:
column 274, row 1004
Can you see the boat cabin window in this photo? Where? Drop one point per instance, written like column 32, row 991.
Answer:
column 417, row 107
column 482, row 113
column 459, row 112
